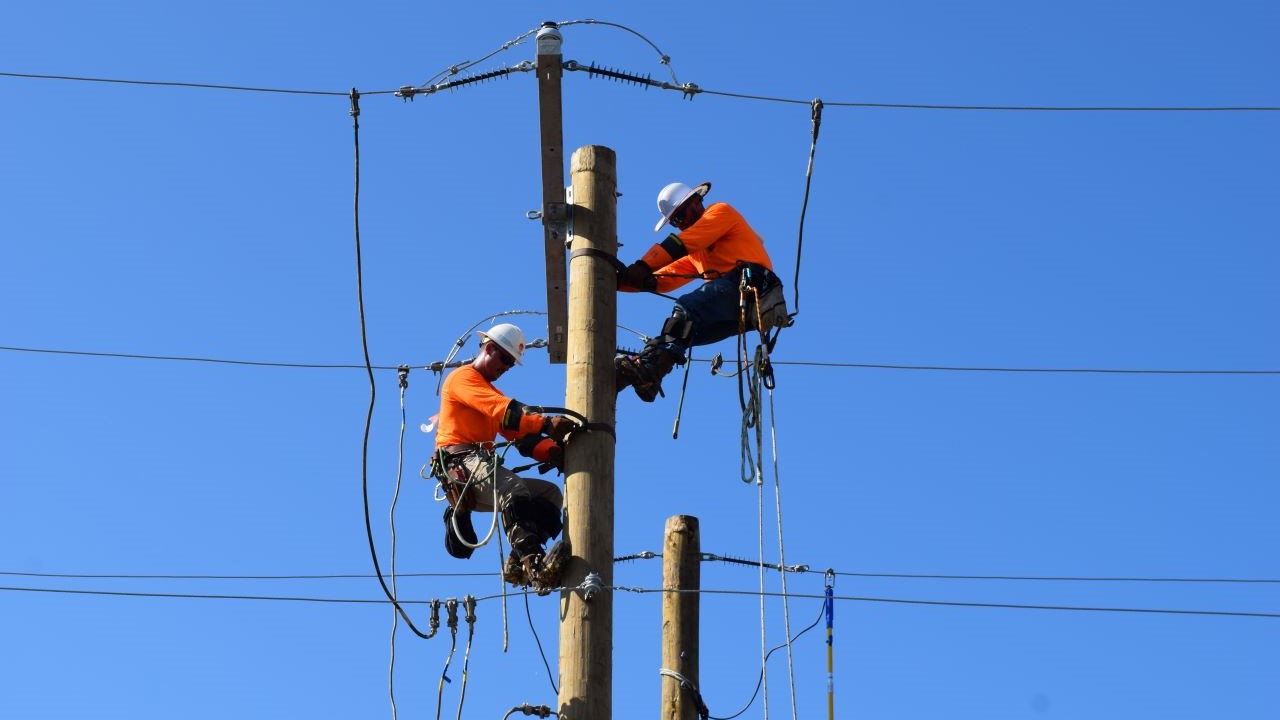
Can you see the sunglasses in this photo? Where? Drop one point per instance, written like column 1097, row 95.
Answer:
column 504, row 357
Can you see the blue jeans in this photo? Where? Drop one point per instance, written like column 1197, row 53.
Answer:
column 713, row 308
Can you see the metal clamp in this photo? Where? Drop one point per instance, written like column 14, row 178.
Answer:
column 591, row 584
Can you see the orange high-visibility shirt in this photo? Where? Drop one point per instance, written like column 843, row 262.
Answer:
column 713, row 245
column 473, row 411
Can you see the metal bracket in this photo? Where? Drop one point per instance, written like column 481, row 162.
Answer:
column 568, row 216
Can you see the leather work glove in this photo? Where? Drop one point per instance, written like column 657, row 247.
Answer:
column 556, row 461
column 638, row 275
column 526, row 445
column 558, row 427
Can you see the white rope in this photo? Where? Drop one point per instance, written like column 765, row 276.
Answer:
column 502, row 583
column 493, row 524
column 764, row 647
column 782, row 555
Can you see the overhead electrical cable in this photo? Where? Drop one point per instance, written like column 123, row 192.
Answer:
column 797, row 363
column 751, row 593
column 950, row 603
column 707, row 557
column 690, row 89
column 202, row 86
column 373, row 386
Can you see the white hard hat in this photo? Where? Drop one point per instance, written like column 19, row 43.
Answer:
column 508, row 337
column 673, row 196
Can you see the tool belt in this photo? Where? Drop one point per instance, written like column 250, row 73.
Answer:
column 447, row 467
column 766, row 307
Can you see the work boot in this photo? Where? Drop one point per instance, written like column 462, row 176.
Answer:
column 622, row 372
column 645, row 371
column 533, row 569
column 553, row 566
column 513, row 571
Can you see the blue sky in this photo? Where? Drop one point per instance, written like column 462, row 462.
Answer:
column 187, row 222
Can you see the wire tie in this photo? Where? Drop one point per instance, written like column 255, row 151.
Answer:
column 403, row 373
column 355, row 103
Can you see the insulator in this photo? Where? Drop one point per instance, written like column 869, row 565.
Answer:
column 451, row 607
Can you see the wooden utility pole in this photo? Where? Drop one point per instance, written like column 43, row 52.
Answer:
column 554, row 215
column 586, row 624
column 681, row 579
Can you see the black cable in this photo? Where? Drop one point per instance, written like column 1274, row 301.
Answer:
column 133, row 356
column 760, row 680
column 650, row 555
column 816, row 118
column 203, row 596
column 1032, row 108
column 1049, row 578
column 645, row 591
column 693, row 89
column 529, row 614
column 948, row 603
column 330, row 576
column 954, row 368
column 204, row 86
column 373, row 387
column 801, row 363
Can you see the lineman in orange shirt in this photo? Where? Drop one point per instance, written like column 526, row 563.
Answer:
column 472, row 412
column 714, row 243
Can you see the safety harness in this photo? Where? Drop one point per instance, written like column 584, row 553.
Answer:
column 457, row 485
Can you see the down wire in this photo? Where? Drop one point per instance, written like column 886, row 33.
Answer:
column 760, row 678
column 373, row 386
column 395, row 497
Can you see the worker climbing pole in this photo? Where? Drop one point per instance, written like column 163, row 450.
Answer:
column 472, row 413
column 714, row 244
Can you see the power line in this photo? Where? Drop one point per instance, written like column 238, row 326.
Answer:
column 751, row 593
column 202, row 86
column 201, row 596
column 948, row 603
column 1049, row 578
column 1005, row 108
column 329, row 576
column 954, row 368
column 644, row 556
column 801, row 568
column 691, row 89
column 220, row 361
column 797, row 363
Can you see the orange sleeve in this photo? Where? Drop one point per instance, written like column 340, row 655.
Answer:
column 472, row 410
column 668, row 277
